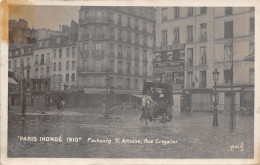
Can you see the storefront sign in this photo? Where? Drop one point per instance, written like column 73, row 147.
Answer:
column 170, row 47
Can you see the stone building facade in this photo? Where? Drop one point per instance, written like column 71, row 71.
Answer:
column 115, row 43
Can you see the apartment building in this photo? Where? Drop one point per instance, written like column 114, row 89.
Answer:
column 115, row 43
column 185, row 52
column 64, row 65
column 234, row 36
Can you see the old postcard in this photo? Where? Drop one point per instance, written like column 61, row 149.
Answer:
column 127, row 82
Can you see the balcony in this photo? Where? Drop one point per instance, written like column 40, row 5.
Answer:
column 145, row 61
column 128, row 25
column 120, row 55
column 119, row 23
column 98, row 52
column 112, row 37
column 189, row 40
column 120, row 38
column 84, row 53
column 93, row 19
column 93, row 69
column 111, row 54
column 203, row 38
column 98, row 36
column 84, row 37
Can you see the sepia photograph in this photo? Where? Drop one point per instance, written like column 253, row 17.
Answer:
column 130, row 82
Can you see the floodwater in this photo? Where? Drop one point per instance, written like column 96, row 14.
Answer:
column 87, row 134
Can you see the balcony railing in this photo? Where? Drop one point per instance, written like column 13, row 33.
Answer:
column 112, row 37
column 90, row 19
column 99, row 36
column 98, row 52
column 189, row 40
column 203, row 38
column 85, row 36
column 84, row 53
column 93, row 69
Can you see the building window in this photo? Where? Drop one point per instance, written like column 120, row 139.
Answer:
column 145, row 40
column 36, row 72
column 111, row 64
column 228, row 29
column 120, row 67
column 189, row 34
column 189, row 79
column 128, row 67
column 15, row 64
column 227, row 76
column 203, row 56
column 144, row 26
column 119, row 81
column 47, row 71
column 48, row 60
column 203, row 10
column 251, row 48
column 145, row 69
column 42, row 72
column 176, row 36
column 203, row 79
column 189, row 11
column 119, row 19
column 252, row 25
column 128, row 22
column 128, row 36
column 203, row 32
column 164, row 14
column 60, row 53
column 28, row 62
column 251, row 76
column 228, row 10
column 136, row 23
column 164, row 37
column 73, row 65
column 42, row 58
column 227, row 52
column 67, row 65
column 111, row 17
column 136, row 68
column 176, row 12
column 136, row 38
column 68, row 52
column 54, row 66
column 59, row 66
column 120, row 35
column 189, row 57
column 73, row 77
column 73, row 51
column 37, row 59
column 54, row 54
column 67, row 77
column 128, row 83
column 85, row 46
column 136, row 84
column 9, row 65
column 84, row 63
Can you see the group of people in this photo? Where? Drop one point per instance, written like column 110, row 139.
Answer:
column 149, row 105
column 60, row 103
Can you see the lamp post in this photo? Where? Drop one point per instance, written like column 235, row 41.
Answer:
column 107, row 86
column 215, row 115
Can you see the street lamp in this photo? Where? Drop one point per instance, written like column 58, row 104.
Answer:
column 215, row 115
column 107, row 86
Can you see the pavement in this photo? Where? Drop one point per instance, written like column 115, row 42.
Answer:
column 86, row 133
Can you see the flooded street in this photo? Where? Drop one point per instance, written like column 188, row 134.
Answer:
column 87, row 134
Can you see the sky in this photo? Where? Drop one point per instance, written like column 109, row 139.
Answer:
column 49, row 17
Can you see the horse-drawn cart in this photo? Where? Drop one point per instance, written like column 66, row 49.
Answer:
column 161, row 94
